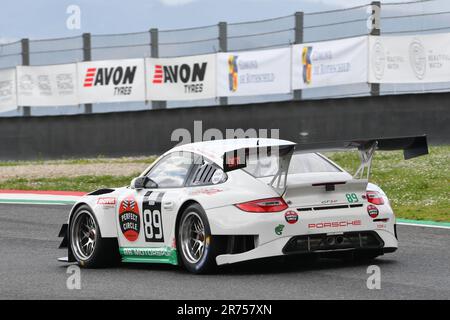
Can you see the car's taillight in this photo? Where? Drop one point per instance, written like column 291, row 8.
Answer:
column 374, row 197
column 263, row 205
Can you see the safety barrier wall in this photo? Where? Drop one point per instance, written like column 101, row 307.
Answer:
column 150, row 132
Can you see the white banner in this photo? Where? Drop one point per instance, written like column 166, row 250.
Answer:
column 181, row 78
column 8, row 98
column 329, row 63
column 254, row 72
column 410, row 59
column 111, row 81
column 47, row 85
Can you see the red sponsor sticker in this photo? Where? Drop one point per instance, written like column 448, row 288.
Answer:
column 129, row 219
column 334, row 224
column 209, row 191
column 106, row 201
column 372, row 211
column 291, row 217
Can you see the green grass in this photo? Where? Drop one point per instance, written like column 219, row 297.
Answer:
column 418, row 188
column 81, row 183
column 99, row 159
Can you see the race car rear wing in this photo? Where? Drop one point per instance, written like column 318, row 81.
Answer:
column 412, row 147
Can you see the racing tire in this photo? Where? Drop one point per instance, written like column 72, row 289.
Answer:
column 89, row 249
column 197, row 248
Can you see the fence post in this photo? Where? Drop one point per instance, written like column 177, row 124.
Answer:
column 223, row 47
column 298, row 40
column 26, row 111
column 375, row 31
column 87, row 56
column 154, row 53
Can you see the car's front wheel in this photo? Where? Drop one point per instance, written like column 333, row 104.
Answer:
column 86, row 243
column 197, row 248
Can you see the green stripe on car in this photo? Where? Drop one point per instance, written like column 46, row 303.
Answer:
column 150, row 255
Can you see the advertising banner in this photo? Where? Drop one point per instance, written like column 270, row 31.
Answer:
column 254, row 72
column 47, row 85
column 111, row 81
column 409, row 59
column 8, row 98
column 183, row 78
column 329, row 63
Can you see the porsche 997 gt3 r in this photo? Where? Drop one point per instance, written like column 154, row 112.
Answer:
column 220, row 202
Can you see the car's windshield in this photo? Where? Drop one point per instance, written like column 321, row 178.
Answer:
column 266, row 166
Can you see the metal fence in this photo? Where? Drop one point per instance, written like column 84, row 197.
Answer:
column 418, row 17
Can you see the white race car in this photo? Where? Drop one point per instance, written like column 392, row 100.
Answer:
column 225, row 201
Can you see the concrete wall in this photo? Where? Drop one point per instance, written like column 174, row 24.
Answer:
column 149, row 132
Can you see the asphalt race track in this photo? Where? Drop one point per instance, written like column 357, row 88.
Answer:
column 420, row 269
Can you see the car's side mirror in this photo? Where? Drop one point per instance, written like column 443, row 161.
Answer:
column 143, row 182
column 138, row 183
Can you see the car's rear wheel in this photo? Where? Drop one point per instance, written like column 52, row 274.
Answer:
column 86, row 243
column 197, row 249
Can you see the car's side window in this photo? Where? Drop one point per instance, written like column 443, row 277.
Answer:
column 206, row 173
column 172, row 170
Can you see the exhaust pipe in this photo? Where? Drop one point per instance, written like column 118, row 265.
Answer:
column 330, row 241
column 339, row 240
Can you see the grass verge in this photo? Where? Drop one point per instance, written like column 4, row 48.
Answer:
column 418, row 189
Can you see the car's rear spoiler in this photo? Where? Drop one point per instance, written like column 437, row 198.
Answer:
column 412, row 147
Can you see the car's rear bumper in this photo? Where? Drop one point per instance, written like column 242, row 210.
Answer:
column 373, row 240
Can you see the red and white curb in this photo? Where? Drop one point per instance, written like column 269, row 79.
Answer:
column 40, row 197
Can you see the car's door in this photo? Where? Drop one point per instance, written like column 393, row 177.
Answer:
column 147, row 216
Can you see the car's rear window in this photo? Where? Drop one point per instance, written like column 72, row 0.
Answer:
column 267, row 166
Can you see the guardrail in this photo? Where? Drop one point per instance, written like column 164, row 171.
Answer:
column 373, row 18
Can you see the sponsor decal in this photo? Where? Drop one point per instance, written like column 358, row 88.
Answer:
column 279, row 229
column 122, row 78
column 307, row 64
column 47, row 85
column 334, row 224
column 372, row 211
column 329, row 63
column 163, row 254
column 251, row 76
column 253, row 72
column 148, row 252
column 291, row 217
column 217, row 177
column 233, row 73
column 324, row 64
column 328, row 201
column 8, row 97
column 106, row 201
column 378, row 60
column 191, row 75
column 207, row 191
column 418, row 59
column 129, row 219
